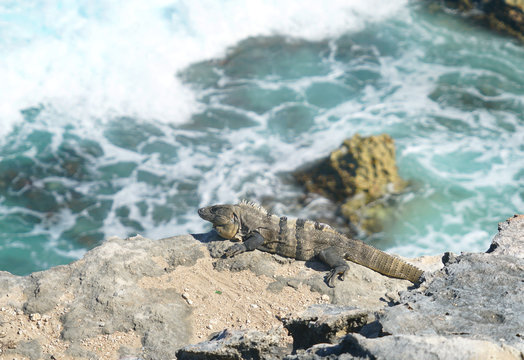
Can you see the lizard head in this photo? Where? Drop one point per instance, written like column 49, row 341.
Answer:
column 224, row 219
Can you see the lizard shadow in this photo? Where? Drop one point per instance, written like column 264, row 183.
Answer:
column 215, row 244
column 317, row 265
column 208, row 237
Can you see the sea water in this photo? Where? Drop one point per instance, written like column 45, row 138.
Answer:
column 123, row 117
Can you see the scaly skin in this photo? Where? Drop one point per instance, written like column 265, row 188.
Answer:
column 300, row 239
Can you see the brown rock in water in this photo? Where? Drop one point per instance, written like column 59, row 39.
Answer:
column 505, row 16
column 360, row 165
column 360, row 171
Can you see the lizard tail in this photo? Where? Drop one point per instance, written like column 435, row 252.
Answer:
column 382, row 262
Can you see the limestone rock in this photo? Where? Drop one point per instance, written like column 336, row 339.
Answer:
column 129, row 299
column 400, row 347
column 361, row 171
column 259, row 262
column 324, row 323
column 477, row 296
column 510, row 238
column 470, row 307
column 99, row 296
column 235, row 345
column 362, row 286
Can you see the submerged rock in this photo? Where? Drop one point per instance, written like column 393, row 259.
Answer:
column 361, row 171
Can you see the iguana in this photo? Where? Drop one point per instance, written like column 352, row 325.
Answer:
column 300, row 239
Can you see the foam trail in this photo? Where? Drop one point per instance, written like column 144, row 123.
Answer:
column 104, row 59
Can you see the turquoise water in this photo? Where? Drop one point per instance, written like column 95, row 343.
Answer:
column 118, row 125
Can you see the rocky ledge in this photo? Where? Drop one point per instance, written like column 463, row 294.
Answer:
column 176, row 298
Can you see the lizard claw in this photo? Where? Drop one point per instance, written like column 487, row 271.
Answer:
column 234, row 250
column 338, row 270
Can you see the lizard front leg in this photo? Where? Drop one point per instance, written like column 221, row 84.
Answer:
column 336, row 262
column 252, row 241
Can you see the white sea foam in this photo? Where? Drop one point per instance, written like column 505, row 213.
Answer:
column 98, row 59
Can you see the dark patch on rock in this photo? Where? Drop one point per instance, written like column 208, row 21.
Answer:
column 400, row 347
column 449, row 258
column 346, row 347
column 324, row 323
column 236, row 345
column 294, row 283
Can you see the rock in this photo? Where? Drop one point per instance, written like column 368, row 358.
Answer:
column 75, row 350
column 259, row 262
column 469, row 308
column 510, row 238
column 362, row 286
column 129, row 299
column 400, row 347
column 106, row 293
column 360, row 166
column 29, row 349
column 324, row 323
column 358, row 173
column 100, row 296
column 506, row 16
column 240, row 344
column 477, row 296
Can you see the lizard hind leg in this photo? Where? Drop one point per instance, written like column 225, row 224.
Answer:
column 336, row 262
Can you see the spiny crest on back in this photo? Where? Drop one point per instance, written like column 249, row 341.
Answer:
column 258, row 209
column 254, row 206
